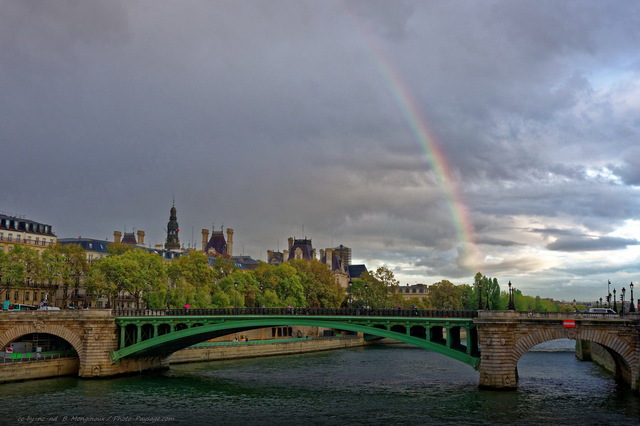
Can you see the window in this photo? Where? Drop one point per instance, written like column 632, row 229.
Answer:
column 18, row 238
column 7, row 295
column 10, row 237
column 15, row 296
column 26, row 296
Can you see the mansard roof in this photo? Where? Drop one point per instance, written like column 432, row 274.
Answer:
column 356, row 270
column 335, row 260
column 89, row 244
column 129, row 238
column 304, row 245
column 217, row 243
column 19, row 224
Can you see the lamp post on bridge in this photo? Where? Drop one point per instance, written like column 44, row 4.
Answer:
column 512, row 305
column 488, row 308
column 622, row 301
column 615, row 304
column 632, row 307
column 601, row 305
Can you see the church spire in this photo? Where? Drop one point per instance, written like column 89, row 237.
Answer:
column 173, row 242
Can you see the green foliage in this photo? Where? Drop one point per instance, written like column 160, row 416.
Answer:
column 12, row 270
column 318, row 284
column 445, row 295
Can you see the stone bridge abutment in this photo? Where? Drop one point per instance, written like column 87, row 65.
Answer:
column 507, row 335
column 92, row 333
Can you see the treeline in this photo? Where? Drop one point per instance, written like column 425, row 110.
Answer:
column 192, row 280
column 485, row 293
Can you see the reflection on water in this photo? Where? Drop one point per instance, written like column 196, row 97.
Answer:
column 558, row 345
column 374, row 385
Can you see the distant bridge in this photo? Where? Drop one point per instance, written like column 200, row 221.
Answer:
column 114, row 342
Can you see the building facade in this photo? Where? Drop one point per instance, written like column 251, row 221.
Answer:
column 16, row 230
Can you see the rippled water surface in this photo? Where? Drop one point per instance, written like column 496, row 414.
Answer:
column 373, row 385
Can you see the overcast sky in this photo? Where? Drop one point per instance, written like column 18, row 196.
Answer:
column 437, row 139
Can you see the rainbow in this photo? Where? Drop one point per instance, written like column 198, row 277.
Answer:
column 428, row 143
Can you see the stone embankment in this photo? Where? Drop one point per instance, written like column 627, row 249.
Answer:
column 208, row 351
column 234, row 350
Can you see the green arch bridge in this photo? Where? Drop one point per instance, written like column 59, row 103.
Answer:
column 153, row 333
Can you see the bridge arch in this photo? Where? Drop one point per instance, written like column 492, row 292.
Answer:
column 40, row 328
column 164, row 345
column 621, row 352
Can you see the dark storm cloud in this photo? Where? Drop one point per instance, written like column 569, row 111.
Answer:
column 581, row 244
column 270, row 116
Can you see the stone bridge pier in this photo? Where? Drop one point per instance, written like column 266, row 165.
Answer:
column 505, row 336
column 92, row 333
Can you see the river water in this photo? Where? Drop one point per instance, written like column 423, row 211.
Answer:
column 376, row 385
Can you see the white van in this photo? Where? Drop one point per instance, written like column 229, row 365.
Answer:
column 601, row 311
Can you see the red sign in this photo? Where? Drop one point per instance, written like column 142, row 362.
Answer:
column 569, row 323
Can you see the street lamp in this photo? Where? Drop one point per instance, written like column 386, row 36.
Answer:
column 615, row 303
column 632, row 307
column 512, row 306
column 601, row 305
column 235, row 295
column 366, row 289
column 622, row 299
column 262, row 295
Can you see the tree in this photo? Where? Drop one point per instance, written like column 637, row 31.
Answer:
column 377, row 288
column 191, row 281
column 148, row 277
column 467, row 298
column 321, row 290
column 12, row 272
column 445, row 295
column 75, row 259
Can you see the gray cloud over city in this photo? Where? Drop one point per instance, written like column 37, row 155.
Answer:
column 293, row 118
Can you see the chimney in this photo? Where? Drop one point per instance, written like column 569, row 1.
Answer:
column 321, row 254
column 290, row 242
column 205, row 238
column 329, row 258
column 141, row 238
column 117, row 235
column 230, row 241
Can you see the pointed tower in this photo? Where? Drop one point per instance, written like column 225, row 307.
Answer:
column 173, row 242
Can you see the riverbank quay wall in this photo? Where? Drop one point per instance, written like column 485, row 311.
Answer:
column 505, row 336
column 92, row 333
column 200, row 353
column 41, row 369
column 600, row 355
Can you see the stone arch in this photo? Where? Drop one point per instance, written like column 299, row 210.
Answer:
column 612, row 342
column 57, row 330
